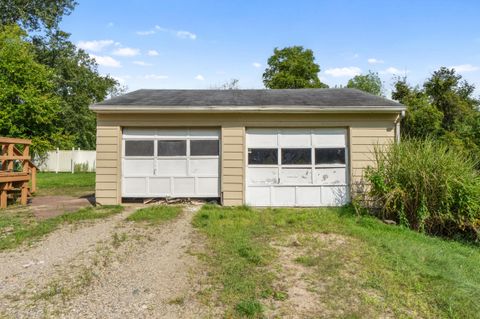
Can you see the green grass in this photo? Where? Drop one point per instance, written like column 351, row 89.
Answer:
column 78, row 184
column 391, row 269
column 17, row 228
column 155, row 214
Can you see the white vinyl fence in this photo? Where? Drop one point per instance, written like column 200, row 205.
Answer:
column 74, row 160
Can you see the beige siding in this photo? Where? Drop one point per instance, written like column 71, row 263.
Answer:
column 232, row 178
column 107, row 190
column 365, row 131
column 363, row 142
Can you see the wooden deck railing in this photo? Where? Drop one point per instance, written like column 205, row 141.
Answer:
column 16, row 169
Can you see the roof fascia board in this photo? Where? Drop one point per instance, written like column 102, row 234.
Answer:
column 242, row 109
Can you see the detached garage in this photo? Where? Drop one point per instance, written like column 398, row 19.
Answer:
column 306, row 147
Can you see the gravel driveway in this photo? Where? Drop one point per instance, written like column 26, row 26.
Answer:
column 107, row 269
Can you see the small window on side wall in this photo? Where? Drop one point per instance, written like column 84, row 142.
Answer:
column 329, row 156
column 262, row 156
column 204, row 147
column 139, row 148
column 172, row 148
column 296, row 156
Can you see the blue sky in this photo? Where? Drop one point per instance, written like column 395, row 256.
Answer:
column 204, row 43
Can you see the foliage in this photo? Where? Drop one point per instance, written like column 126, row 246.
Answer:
column 428, row 187
column 386, row 277
column 229, row 85
column 155, row 214
column 292, row 68
column 29, row 107
column 444, row 108
column 35, row 14
column 370, row 83
column 77, row 83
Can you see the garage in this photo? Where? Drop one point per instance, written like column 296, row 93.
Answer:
column 296, row 167
column 180, row 162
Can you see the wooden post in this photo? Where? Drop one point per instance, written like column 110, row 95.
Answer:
column 3, row 198
column 34, row 179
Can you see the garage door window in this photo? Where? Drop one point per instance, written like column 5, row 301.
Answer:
column 330, row 156
column 262, row 156
column 172, row 148
column 296, row 156
column 139, row 148
column 204, row 147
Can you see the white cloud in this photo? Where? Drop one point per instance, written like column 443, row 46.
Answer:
column 200, row 78
column 256, row 65
column 122, row 79
column 182, row 34
column 149, row 32
column 95, row 46
column 186, row 35
column 152, row 53
column 345, row 71
column 156, row 77
column 464, row 68
column 141, row 63
column 393, row 70
column 126, row 52
column 106, row 61
column 375, row 61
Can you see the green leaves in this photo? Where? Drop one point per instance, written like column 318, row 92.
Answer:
column 29, row 107
column 370, row 83
column 292, row 68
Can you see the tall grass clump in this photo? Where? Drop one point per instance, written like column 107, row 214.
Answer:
column 425, row 185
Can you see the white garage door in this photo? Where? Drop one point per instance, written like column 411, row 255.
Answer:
column 170, row 163
column 296, row 167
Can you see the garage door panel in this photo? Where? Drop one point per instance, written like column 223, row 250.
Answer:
column 294, row 138
column 159, row 186
column 334, row 196
column 308, row 196
column 135, row 185
column 204, row 166
column 330, row 176
column 262, row 175
column 262, row 138
column 184, row 186
column 329, row 138
column 138, row 133
column 138, row 167
column 172, row 167
column 283, row 196
column 296, row 176
column 171, row 133
column 207, row 185
column 258, row 196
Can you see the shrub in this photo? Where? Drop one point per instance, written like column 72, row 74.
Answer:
column 425, row 185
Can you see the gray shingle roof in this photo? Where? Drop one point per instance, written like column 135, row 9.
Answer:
column 211, row 99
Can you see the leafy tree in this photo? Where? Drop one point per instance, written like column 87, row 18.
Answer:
column 370, row 83
column 28, row 104
column 77, row 83
column 35, row 15
column 292, row 68
column 451, row 95
column 444, row 108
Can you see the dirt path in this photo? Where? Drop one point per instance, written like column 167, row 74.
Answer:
column 113, row 269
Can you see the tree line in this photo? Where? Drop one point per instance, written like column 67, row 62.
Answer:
column 46, row 82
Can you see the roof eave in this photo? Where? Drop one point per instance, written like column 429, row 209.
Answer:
column 243, row 109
